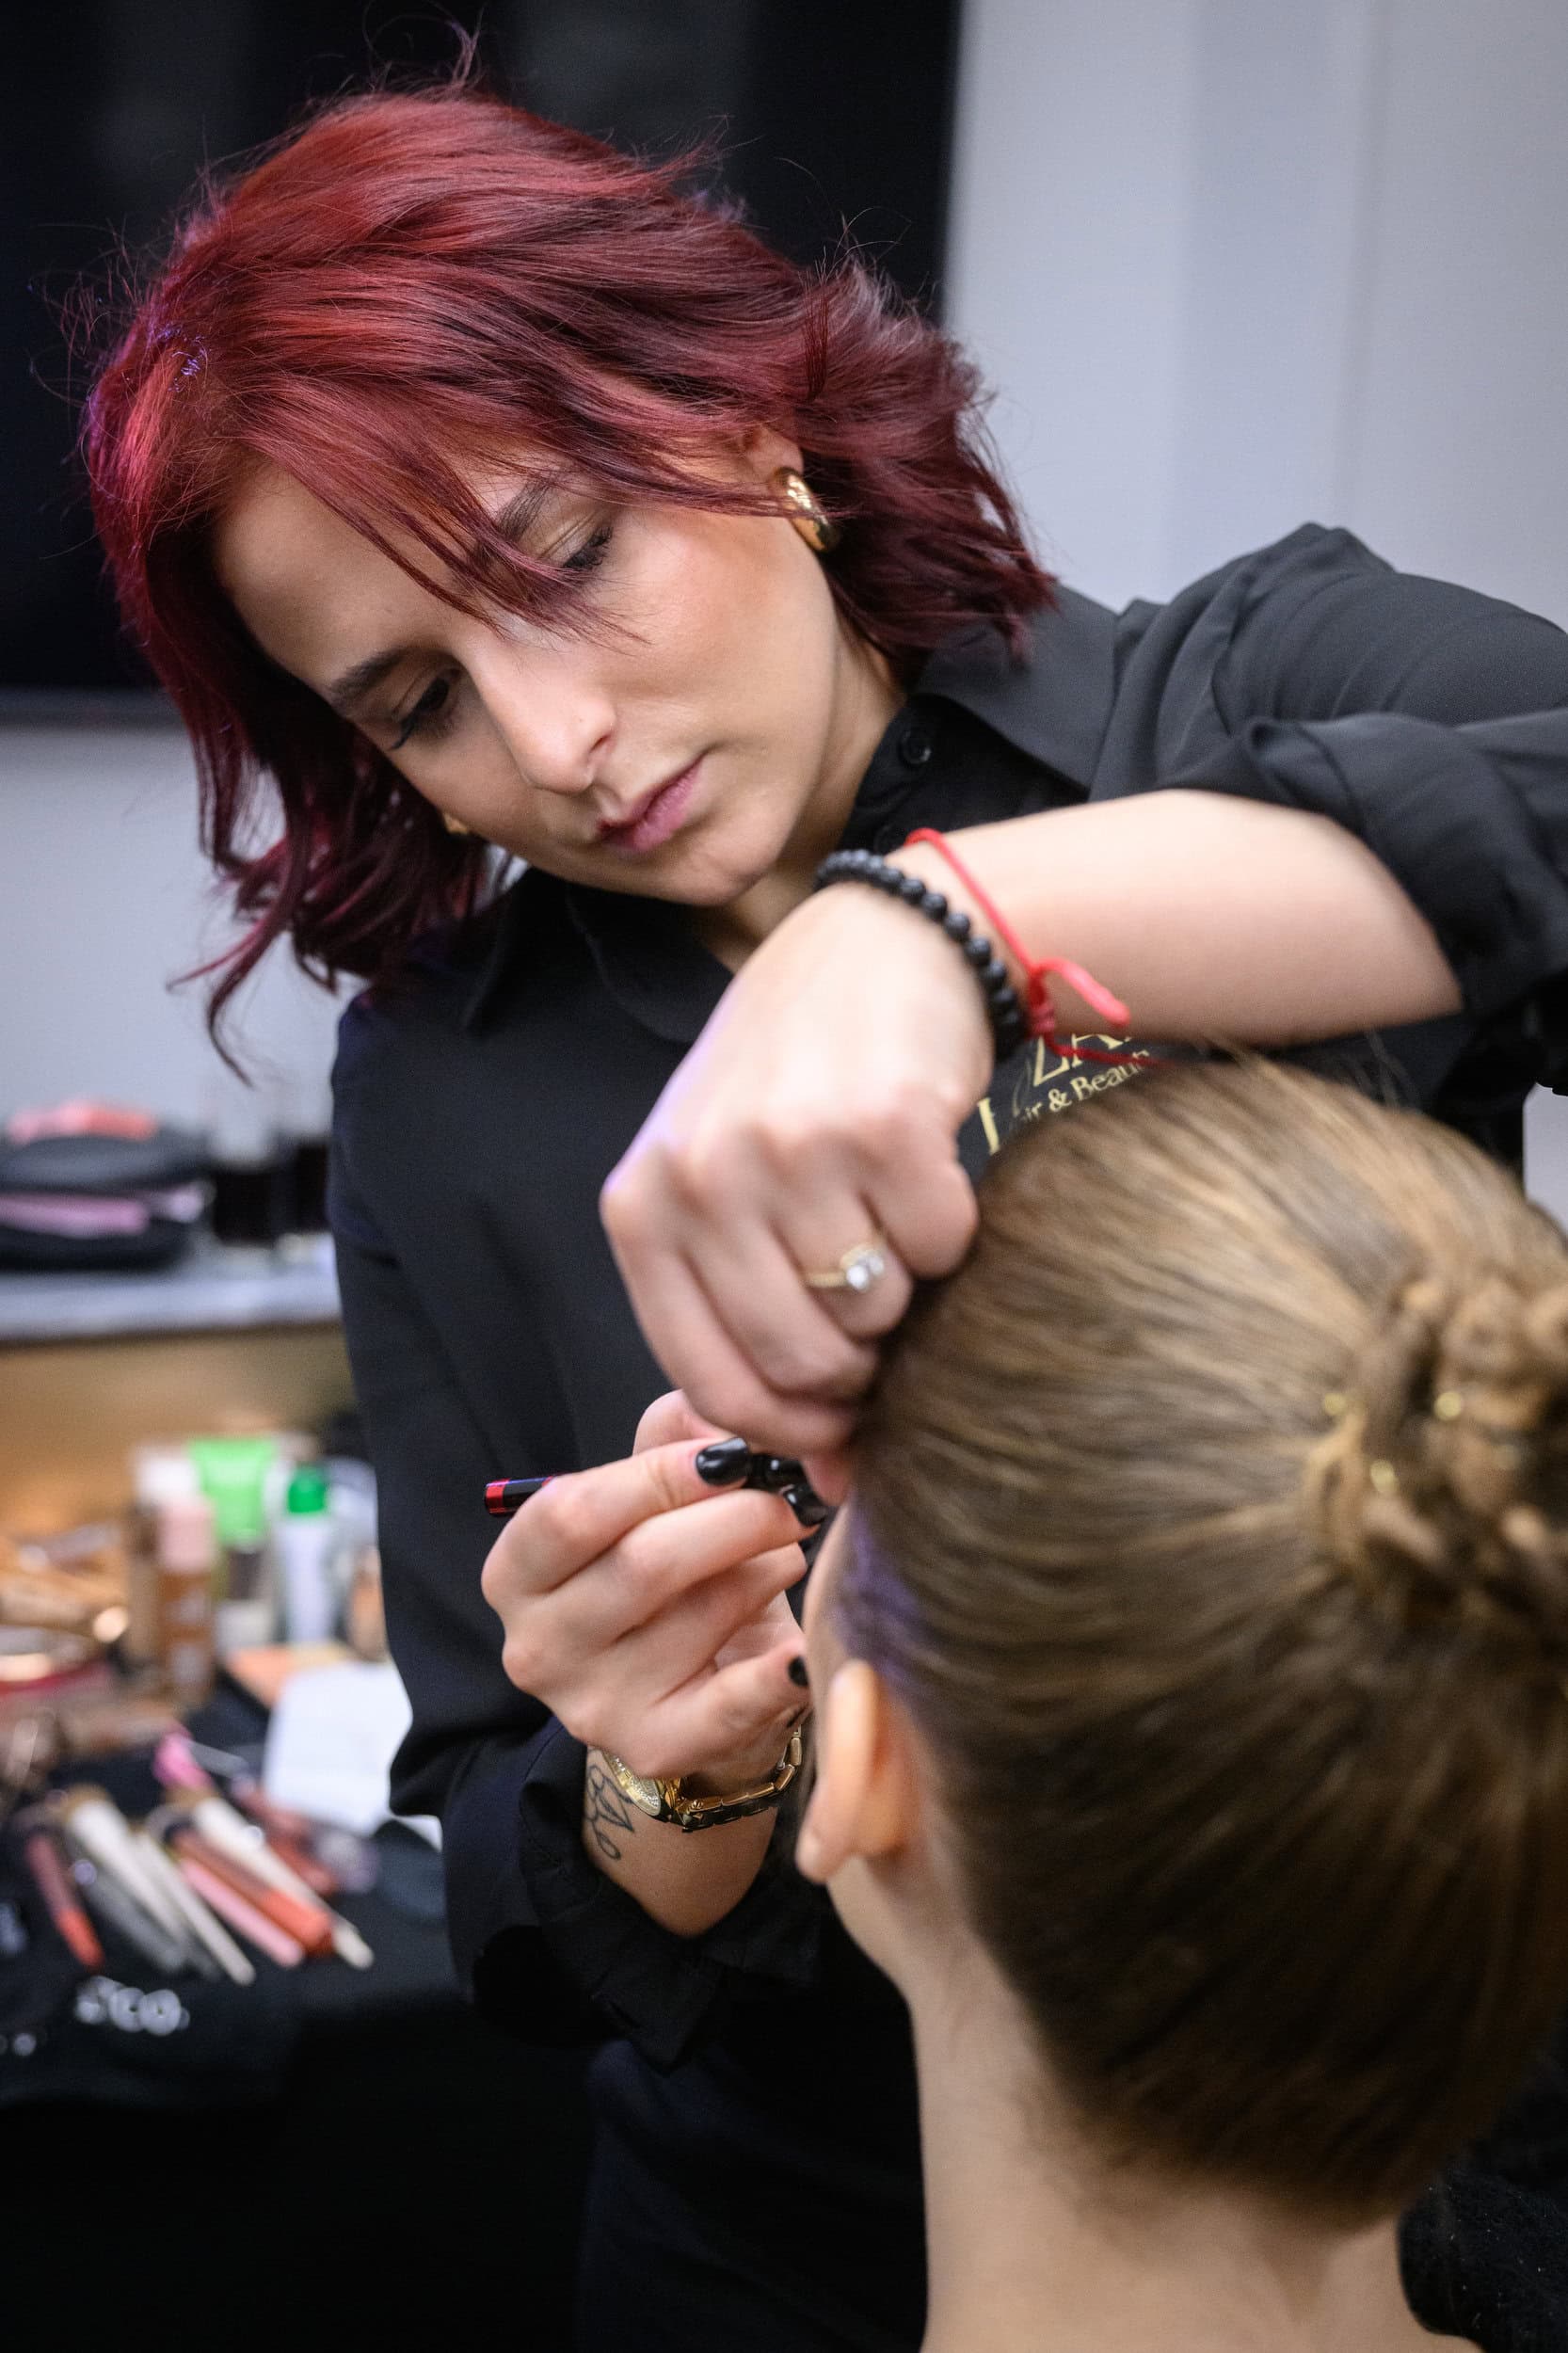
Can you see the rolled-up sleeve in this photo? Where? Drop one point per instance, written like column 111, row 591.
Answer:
column 1472, row 822
column 1428, row 719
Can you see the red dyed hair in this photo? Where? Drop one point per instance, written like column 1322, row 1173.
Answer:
column 408, row 285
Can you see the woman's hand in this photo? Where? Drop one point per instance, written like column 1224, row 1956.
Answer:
column 817, row 1109
column 645, row 1607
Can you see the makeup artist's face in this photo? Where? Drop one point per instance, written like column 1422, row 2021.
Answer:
column 729, row 716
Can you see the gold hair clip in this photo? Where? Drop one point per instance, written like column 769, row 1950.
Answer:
column 1336, row 1404
column 1448, row 1406
column 1384, row 1477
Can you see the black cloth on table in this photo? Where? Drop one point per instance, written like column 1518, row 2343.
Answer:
column 135, row 2036
column 329, row 2157
column 754, row 2099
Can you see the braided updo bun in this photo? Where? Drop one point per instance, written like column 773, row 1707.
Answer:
column 1211, row 1522
column 1442, row 1488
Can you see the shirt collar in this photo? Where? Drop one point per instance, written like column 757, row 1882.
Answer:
column 1053, row 704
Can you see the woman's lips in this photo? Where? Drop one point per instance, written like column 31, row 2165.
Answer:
column 662, row 816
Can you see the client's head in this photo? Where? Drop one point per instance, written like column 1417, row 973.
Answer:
column 1192, row 1658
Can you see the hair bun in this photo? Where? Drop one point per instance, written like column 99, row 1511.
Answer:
column 1442, row 1488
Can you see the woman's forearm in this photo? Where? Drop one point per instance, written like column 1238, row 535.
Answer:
column 1211, row 918
column 685, row 1880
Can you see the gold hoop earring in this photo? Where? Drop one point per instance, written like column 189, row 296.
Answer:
column 806, row 511
column 454, row 824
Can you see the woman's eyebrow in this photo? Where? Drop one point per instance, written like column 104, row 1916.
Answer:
column 349, row 690
column 522, row 511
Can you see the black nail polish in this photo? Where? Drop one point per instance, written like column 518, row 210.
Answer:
column 774, row 1472
column 807, row 1505
column 723, row 1461
column 798, row 1673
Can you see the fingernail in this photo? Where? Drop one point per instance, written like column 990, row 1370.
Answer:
column 807, row 1505
column 724, row 1461
column 798, row 1673
column 774, row 1472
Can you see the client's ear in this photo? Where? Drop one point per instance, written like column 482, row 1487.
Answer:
column 865, row 1801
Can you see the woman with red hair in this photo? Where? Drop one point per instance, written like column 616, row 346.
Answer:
column 480, row 495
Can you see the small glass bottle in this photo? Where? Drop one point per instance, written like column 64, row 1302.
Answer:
column 187, row 1557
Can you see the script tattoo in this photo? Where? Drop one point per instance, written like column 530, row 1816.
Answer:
column 606, row 1811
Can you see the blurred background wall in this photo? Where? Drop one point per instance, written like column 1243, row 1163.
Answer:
column 1236, row 263
column 1231, row 264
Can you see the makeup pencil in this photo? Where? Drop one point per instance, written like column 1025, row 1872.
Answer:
column 503, row 1497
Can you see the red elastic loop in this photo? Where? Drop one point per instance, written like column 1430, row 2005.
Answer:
column 1040, row 1012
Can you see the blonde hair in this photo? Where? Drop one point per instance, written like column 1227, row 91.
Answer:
column 1213, row 1523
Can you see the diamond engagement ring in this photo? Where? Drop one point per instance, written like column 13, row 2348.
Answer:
column 856, row 1271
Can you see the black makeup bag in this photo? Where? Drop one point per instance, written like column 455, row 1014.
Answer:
column 86, row 1202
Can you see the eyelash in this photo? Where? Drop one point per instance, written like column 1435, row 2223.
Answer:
column 431, row 720
column 427, row 718
column 591, row 554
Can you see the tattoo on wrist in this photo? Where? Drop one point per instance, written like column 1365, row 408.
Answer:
column 608, row 1815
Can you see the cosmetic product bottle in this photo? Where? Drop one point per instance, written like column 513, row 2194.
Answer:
column 305, row 1542
column 235, row 1474
column 187, row 1560
column 159, row 1475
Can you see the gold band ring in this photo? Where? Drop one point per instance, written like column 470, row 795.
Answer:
column 856, row 1271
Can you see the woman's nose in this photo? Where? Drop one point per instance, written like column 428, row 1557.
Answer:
column 555, row 718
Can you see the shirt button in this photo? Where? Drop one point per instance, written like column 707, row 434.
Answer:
column 915, row 746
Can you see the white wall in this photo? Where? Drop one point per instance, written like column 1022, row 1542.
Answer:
column 103, row 898
column 1236, row 264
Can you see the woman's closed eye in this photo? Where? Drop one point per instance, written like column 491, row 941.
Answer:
column 591, row 554
column 431, row 716
column 434, row 712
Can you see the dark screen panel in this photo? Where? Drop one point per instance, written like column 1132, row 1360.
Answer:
column 826, row 115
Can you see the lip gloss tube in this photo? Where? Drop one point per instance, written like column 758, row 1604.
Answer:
column 95, row 1824
column 119, row 1912
column 222, row 1954
column 503, row 1497
column 287, row 1844
column 309, row 1924
column 242, row 1916
column 178, row 1898
column 60, row 1898
column 215, row 1819
column 288, row 1834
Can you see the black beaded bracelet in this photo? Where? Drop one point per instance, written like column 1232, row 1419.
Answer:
column 1005, row 1013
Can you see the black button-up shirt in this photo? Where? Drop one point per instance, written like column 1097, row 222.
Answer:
column 481, row 1106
